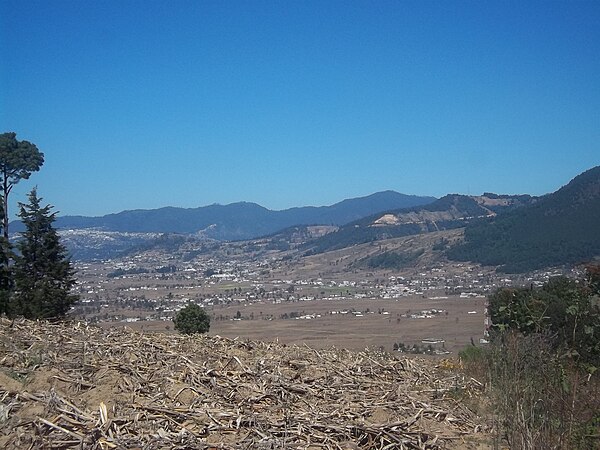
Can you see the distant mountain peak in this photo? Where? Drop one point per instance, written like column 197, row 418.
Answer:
column 239, row 220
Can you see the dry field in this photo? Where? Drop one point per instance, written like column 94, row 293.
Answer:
column 71, row 386
column 375, row 330
column 372, row 330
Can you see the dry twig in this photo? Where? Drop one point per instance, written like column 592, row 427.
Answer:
column 73, row 386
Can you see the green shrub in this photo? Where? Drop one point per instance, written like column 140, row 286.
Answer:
column 566, row 309
column 471, row 354
column 541, row 365
column 192, row 319
column 475, row 362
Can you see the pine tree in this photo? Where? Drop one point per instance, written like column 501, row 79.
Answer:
column 6, row 280
column 18, row 160
column 43, row 273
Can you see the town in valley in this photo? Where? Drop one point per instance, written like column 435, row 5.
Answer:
column 253, row 291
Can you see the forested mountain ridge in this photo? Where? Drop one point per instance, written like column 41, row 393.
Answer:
column 560, row 228
column 450, row 211
column 517, row 233
column 238, row 221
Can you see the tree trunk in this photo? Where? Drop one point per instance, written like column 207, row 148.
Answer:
column 5, row 192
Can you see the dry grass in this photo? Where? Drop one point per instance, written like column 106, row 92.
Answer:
column 347, row 331
column 73, row 386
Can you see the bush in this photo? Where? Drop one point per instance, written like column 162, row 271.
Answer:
column 192, row 319
column 541, row 365
column 568, row 310
column 471, row 354
column 475, row 362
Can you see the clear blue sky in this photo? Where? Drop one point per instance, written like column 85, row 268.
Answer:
column 143, row 104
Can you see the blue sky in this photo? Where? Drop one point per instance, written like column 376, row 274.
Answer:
column 144, row 104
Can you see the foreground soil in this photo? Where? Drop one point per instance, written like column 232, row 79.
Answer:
column 73, row 386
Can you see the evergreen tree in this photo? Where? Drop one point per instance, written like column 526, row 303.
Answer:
column 6, row 280
column 192, row 319
column 43, row 273
column 6, row 275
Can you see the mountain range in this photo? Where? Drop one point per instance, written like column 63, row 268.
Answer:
column 238, row 221
column 448, row 212
column 515, row 233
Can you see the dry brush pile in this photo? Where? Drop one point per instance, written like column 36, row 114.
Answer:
column 73, row 386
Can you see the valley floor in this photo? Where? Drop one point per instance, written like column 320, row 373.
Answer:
column 452, row 321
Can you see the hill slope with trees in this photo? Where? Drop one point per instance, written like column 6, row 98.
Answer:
column 560, row 228
column 449, row 212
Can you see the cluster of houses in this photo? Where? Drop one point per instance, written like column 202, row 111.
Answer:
column 153, row 286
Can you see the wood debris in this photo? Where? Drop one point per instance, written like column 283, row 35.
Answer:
column 69, row 385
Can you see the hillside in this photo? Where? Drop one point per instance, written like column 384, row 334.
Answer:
column 238, row 221
column 93, row 244
column 560, row 228
column 449, row 212
column 73, row 386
